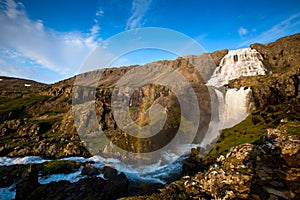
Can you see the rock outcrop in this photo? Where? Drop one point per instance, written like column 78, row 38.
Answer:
column 87, row 188
column 282, row 54
column 248, row 171
column 37, row 119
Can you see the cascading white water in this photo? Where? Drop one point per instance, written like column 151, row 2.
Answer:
column 237, row 63
column 217, row 116
column 235, row 104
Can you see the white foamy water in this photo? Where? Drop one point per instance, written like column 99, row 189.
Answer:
column 237, row 63
column 237, row 105
column 217, row 116
column 233, row 105
column 72, row 177
column 6, row 161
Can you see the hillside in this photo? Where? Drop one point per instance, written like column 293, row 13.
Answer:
column 257, row 158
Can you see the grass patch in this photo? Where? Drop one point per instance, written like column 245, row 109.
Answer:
column 291, row 127
column 18, row 104
column 244, row 132
column 59, row 166
column 53, row 112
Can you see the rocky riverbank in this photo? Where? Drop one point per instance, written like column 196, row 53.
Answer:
column 112, row 186
column 269, row 170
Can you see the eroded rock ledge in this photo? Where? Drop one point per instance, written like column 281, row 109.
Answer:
column 248, row 171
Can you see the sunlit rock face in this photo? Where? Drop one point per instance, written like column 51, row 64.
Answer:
column 237, row 63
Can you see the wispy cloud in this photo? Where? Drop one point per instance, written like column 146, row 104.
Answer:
column 100, row 13
column 242, row 31
column 283, row 28
column 138, row 11
column 44, row 49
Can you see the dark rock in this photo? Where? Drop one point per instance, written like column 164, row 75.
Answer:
column 88, row 188
column 28, row 183
column 6, row 181
column 143, row 188
column 116, row 187
column 90, row 170
column 109, row 172
column 193, row 164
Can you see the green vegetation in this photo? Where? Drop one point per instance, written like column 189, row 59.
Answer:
column 59, row 166
column 68, row 100
column 147, row 105
column 14, row 170
column 53, row 112
column 291, row 127
column 244, row 132
column 19, row 103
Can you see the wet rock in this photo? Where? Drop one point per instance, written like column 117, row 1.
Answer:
column 116, row 187
column 88, row 188
column 28, row 183
column 193, row 164
column 109, row 172
column 90, row 170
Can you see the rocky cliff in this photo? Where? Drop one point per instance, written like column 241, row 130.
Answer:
column 258, row 158
column 36, row 119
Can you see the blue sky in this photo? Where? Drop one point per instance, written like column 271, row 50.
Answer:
column 48, row 40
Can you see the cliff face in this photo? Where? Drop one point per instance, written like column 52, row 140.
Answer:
column 282, row 54
column 36, row 119
column 257, row 158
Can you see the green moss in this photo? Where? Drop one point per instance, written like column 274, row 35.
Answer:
column 19, row 103
column 53, row 112
column 59, row 166
column 67, row 99
column 133, row 109
column 244, row 132
column 147, row 105
column 291, row 127
column 14, row 170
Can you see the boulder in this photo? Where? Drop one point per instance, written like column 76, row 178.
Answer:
column 109, row 172
column 116, row 187
column 90, row 170
column 28, row 183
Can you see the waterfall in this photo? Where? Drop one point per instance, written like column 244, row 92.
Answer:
column 217, row 116
column 234, row 105
column 237, row 63
column 237, row 106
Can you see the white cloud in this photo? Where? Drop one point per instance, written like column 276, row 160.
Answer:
column 58, row 52
column 100, row 13
column 286, row 27
column 242, row 31
column 138, row 10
